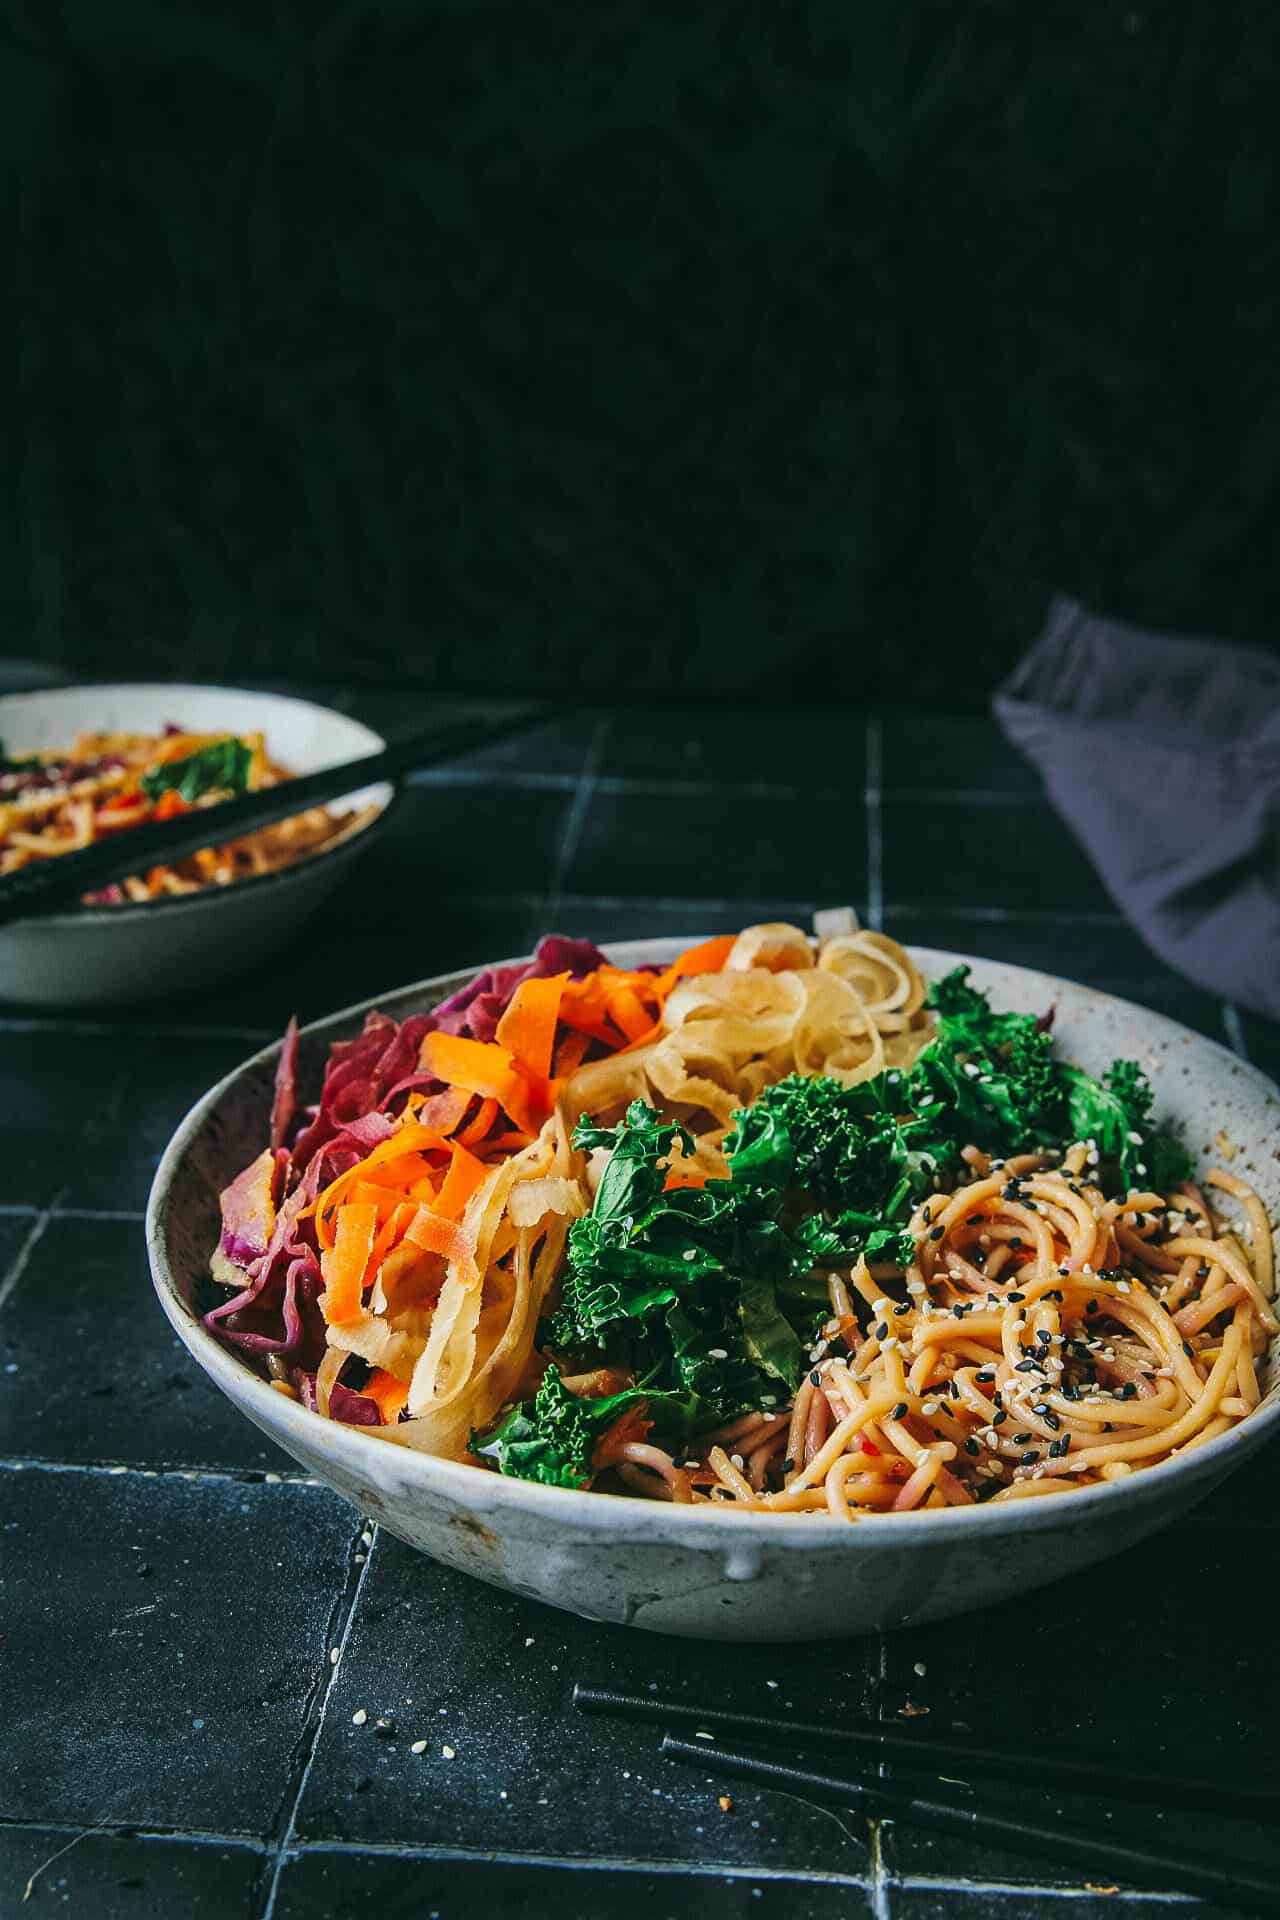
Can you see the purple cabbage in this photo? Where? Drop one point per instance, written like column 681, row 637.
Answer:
column 353, row 1409
column 366, row 1081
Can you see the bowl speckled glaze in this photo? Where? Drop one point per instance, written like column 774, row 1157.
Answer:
column 700, row 1572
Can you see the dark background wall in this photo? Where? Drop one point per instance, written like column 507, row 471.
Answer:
column 619, row 345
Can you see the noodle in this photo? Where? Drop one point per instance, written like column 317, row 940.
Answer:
column 1076, row 1376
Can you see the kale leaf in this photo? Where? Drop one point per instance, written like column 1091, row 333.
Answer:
column 221, row 767
column 552, row 1438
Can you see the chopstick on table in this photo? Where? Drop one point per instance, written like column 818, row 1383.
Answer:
column 44, row 885
column 925, row 1754
column 1110, row 1851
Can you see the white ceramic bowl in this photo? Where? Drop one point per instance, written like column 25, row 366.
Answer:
column 99, row 956
column 698, row 1571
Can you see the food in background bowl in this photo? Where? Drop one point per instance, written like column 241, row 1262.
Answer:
column 776, row 1228
column 54, row 802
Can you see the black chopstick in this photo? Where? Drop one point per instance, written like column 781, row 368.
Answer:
column 44, row 885
column 925, row 1754
column 1124, row 1857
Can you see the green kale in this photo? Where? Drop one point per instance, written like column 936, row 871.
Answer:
column 221, row 767
column 552, row 1437
column 852, row 1150
column 1116, row 1115
column 19, row 764
column 994, row 1077
column 684, row 1286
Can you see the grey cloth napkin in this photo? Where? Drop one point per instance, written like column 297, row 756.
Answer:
column 1163, row 753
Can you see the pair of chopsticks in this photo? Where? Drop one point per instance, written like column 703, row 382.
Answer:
column 923, row 1786
column 44, row 885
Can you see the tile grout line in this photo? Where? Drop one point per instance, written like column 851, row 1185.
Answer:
column 16, row 1210
column 690, row 787
column 1131, row 1896
column 117, row 1470
column 576, row 816
column 1234, row 1030
column 284, row 1846
column 155, row 1030
column 578, row 1863
column 877, row 1884
column 875, row 821
column 24, row 1253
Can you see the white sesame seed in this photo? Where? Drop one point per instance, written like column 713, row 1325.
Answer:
column 448, row 1753
column 704, row 1736
column 359, row 1717
column 887, row 1346
column 737, row 1460
column 920, row 1668
column 528, row 1640
column 717, row 1353
column 419, row 1746
column 335, row 1654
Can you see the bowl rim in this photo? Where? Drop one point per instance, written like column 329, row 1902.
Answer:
column 126, row 911
column 629, row 1517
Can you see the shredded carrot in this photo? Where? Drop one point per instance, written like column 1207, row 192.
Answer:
column 411, row 1138
column 388, row 1394
column 443, row 1110
column 708, row 958
column 434, row 1234
column 343, row 1265
column 628, row 1012
column 478, row 1127
column 683, row 1177
column 479, row 1065
column 571, row 1053
column 464, row 1176
column 528, row 1027
column 170, row 805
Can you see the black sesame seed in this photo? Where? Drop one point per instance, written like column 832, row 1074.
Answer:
column 1052, row 1420
column 1027, row 1366
column 904, row 1308
column 882, row 1330
column 815, row 1378
column 971, row 1446
column 1188, row 1350
column 1029, row 1458
column 1015, row 1296
column 985, row 1378
column 1091, row 1306
column 936, row 1233
column 1022, row 1438
column 900, row 1411
column 998, row 1419
column 788, row 1466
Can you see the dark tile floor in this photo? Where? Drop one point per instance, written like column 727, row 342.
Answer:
column 174, row 1735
